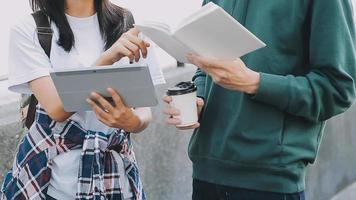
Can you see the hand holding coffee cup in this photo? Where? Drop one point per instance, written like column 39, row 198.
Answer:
column 183, row 106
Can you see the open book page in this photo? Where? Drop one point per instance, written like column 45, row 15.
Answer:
column 210, row 32
column 208, row 8
column 164, row 39
column 158, row 25
column 217, row 34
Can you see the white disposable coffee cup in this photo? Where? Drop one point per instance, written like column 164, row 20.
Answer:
column 184, row 98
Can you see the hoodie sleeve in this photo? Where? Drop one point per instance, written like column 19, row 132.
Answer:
column 329, row 88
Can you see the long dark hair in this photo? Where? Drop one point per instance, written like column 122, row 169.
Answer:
column 110, row 16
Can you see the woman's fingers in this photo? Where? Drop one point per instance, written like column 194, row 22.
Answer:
column 134, row 31
column 200, row 105
column 197, row 125
column 173, row 121
column 103, row 103
column 132, row 46
column 128, row 45
column 200, row 102
column 167, row 99
column 98, row 111
column 141, row 44
column 124, row 51
column 135, row 50
column 171, row 111
column 119, row 103
column 102, row 118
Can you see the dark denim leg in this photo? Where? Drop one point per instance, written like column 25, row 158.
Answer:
column 296, row 196
column 204, row 191
column 245, row 194
column 50, row 198
column 207, row 191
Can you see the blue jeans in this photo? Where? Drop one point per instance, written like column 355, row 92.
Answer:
column 207, row 191
column 49, row 197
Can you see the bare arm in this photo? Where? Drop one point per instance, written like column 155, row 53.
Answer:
column 145, row 116
column 46, row 94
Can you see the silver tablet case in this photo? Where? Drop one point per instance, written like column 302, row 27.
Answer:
column 133, row 83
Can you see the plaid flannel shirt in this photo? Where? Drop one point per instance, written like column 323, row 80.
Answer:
column 98, row 177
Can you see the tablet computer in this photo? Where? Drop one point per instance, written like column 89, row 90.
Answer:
column 133, row 83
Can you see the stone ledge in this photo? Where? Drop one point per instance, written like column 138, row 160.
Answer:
column 9, row 105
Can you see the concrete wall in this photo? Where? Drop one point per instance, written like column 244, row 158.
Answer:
column 10, row 133
column 166, row 169
column 335, row 167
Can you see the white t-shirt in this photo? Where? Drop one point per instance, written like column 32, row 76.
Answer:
column 28, row 61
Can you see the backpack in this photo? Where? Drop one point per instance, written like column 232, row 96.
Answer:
column 44, row 32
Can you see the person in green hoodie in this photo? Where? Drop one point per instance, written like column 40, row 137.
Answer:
column 265, row 113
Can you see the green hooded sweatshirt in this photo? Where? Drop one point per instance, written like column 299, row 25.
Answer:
column 265, row 141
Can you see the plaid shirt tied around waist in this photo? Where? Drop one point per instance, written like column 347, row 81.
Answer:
column 98, row 177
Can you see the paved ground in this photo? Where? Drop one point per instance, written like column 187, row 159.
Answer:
column 347, row 194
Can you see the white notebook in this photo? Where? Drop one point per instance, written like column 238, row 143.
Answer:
column 209, row 32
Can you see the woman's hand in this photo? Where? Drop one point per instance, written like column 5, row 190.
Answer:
column 128, row 45
column 230, row 74
column 116, row 116
column 171, row 111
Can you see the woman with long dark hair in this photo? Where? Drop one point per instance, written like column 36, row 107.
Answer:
column 83, row 155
